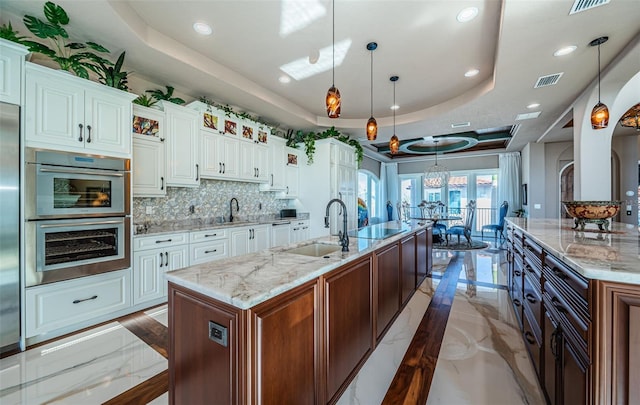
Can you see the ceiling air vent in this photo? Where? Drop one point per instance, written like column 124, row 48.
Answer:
column 548, row 80
column 461, row 125
column 528, row 116
column 582, row 5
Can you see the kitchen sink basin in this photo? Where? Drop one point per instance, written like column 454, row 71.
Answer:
column 314, row 249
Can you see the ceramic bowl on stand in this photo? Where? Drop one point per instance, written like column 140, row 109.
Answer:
column 592, row 212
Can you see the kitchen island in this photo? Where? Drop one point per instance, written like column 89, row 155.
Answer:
column 576, row 295
column 282, row 327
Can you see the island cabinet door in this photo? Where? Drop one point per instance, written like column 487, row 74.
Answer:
column 285, row 350
column 386, row 287
column 348, row 325
column 204, row 350
column 424, row 251
column 408, row 247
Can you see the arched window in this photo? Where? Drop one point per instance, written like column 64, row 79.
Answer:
column 369, row 192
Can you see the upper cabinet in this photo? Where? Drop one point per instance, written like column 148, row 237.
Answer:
column 11, row 63
column 148, row 152
column 276, row 162
column 183, row 146
column 64, row 112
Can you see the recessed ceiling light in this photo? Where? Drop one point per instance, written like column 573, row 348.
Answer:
column 461, row 125
column 533, row 105
column 284, row 79
column 395, row 107
column 467, row 14
column 528, row 116
column 471, row 73
column 202, row 28
column 565, row 51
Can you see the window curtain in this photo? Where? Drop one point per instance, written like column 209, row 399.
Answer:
column 509, row 180
column 390, row 187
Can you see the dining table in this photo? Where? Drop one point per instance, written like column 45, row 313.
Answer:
column 437, row 238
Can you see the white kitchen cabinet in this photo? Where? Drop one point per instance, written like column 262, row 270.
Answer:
column 152, row 257
column 299, row 230
column 220, row 156
column 183, row 146
column 280, row 234
column 209, row 245
column 11, row 62
column 64, row 112
column 327, row 179
column 60, row 305
column 277, row 160
column 253, row 162
column 249, row 239
column 148, row 162
column 291, row 174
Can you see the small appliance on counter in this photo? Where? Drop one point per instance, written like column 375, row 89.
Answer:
column 288, row 213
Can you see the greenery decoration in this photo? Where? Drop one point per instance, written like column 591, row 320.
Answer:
column 71, row 56
column 113, row 76
column 228, row 111
column 145, row 101
column 168, row 96
column 7, row 32
column 309, row 140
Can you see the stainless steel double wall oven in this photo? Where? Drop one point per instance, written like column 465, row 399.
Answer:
column 78, row 215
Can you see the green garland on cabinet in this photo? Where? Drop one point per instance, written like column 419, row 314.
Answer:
column 309, row 140
column 229, row 112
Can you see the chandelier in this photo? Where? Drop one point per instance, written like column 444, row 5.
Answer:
column 631, row 118
column 436, row 176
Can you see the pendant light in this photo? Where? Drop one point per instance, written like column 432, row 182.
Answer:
column 332, row 100
column 394, row 143
column 436, row 176
column 631, row 118
column 372, row 125
column 600, row 112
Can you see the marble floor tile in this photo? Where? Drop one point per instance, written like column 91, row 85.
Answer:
column 483, row 359
column 161, row 400
column 374, row 378
column 86, row 368
column 160, row 314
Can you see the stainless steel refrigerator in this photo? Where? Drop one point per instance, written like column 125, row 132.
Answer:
column 9, row 227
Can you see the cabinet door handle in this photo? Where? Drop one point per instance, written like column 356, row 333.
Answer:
column 558, row 305
column 517, row 302
column 210, row 235
column 164, row 241
column 166, row 259
column 161, row 259
column 80, row 137
column 531, row 298
column 559, row 273
column 210, row 251
column 219, row 167
column 257, row 172
column 197, row 172
column 88, row 133
column 553, row 343
column 224, row 168
column 271, row 180
column 85, row 299
column 161, row 183
column 528, row 336
column 517, row 273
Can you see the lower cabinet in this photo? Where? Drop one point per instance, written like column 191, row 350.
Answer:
column 59, row 305
column 283, row 336
column 249, row 239
column 348, row 325
column 386, row 287
column 200, row 332
column 408, row 266
column 424, row 253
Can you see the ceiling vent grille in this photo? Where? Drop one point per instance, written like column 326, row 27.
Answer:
column 461, row 125
column 528, row 116
column 548, row 80
column 582, row 5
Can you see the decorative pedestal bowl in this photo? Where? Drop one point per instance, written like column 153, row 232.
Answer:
column 592, row 212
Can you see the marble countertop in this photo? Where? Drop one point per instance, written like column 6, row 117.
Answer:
column 202, row 224
column 245, row 281
column 613, row 256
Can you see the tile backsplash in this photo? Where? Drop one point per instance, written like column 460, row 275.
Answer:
column 209, row 200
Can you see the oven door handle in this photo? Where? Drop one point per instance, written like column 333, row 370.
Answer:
column 87, row 172
column 67, row 224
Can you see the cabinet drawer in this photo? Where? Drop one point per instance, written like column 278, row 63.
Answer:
column 567, row 280
column 207, row 251
column 533, row 252
column 62, row 304
column 532, row 301
column 211, row 234
column 533, row 340
column 533, row 269
column 156, row 241
column 573, row 323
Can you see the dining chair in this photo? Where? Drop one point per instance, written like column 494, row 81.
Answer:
column 464, row 230
column 500, row 225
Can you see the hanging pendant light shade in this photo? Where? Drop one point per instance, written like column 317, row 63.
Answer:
column 631, row 118
column 372, row 125
column 600, row 112
column 332, row 100
column 394, row 143
column 436, row 176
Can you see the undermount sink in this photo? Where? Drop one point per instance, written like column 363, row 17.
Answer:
column 314, row 249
